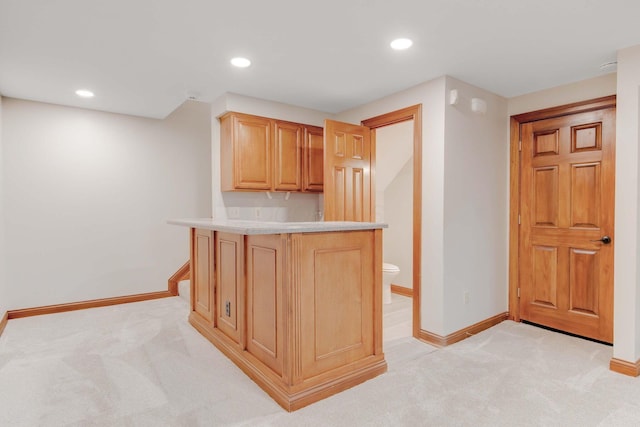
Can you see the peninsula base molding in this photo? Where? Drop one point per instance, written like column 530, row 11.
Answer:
column 443, row 341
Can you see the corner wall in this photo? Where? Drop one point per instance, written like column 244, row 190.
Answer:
column 4, row 295
column 626, row 329
column 476, row 181
column 87, row 195
column 432, row 97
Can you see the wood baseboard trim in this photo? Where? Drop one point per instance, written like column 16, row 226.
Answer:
column 626, row 368
column 401, row 290
column 440, row 341
column 3, row 322
column 183, row 273
column 60, row 308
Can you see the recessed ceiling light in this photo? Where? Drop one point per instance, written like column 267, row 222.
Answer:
column 240, row 62
column 84, row 93
column 401, row 44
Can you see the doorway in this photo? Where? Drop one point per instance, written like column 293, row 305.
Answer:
column 562, row 198
column 413, row 115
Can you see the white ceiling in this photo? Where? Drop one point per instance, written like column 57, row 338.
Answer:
column 143, row 57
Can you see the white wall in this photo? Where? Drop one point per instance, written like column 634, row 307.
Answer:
column 87, row 195
column 476, row 178
column 300, row 206
column 432, row 97
column 4, row 295
column 627, row 215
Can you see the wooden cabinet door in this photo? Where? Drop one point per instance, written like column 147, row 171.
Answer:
column 347, row 172
column 567, row 200
column 335, row 284
column 288, row 156
column 265, row 333
column 202, row 275
column 246, row 152
column 313, row 162
column 230, row 285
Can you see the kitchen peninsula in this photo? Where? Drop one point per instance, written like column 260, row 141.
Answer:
column 296, row 305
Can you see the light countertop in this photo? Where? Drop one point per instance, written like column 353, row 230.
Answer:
column 264, row 227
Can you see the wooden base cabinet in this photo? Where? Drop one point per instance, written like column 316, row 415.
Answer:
column 309, row 310
column 229, row 292
column 202, row 282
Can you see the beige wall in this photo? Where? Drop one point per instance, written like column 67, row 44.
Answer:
column 604, row 85
column 394, row 196
column 87, row 196
column 398, row 238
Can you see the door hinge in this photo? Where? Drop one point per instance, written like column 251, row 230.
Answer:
column 520, row 145
column 518, row 292
column 518, row 219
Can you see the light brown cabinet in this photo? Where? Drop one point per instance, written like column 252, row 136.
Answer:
column 246, row 152
column 229, row 293
column 263, row 154
column 300, row 313
column 313, row 161
column 288, row 160
column 202, row 282
column 265, row 337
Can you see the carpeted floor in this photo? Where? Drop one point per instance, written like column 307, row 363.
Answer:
column 142, row 364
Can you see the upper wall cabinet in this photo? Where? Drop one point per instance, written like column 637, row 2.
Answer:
column 312, row 161
column 263, row 154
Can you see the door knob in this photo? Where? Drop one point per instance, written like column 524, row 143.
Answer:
column 605, row 239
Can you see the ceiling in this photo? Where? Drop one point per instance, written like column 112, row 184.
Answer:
column 145, row 57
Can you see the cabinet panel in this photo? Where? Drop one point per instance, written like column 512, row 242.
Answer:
column 265, row 336
column 336, row 299
column 246, row 152
column 263, row 154
column 202, row 273
column 288, row 156
column 313, row 162
column 230, row 285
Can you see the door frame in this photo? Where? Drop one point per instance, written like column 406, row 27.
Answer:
column 514, row 182
column 409, row 113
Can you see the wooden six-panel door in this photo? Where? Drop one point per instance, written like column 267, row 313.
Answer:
column 347, row 172
column 566, row 231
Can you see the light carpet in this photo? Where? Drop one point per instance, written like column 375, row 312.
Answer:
column 142, row 364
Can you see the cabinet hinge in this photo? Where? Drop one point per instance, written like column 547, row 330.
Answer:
column 518, row 292
column 520, row 145
column 518, row 219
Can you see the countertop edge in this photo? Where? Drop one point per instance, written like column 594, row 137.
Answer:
column 255, row 227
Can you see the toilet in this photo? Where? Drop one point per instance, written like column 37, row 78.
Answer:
column 389, row 271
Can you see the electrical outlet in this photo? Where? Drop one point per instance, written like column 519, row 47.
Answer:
column 465, row 296
column 258, row 213
column 234, row 213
